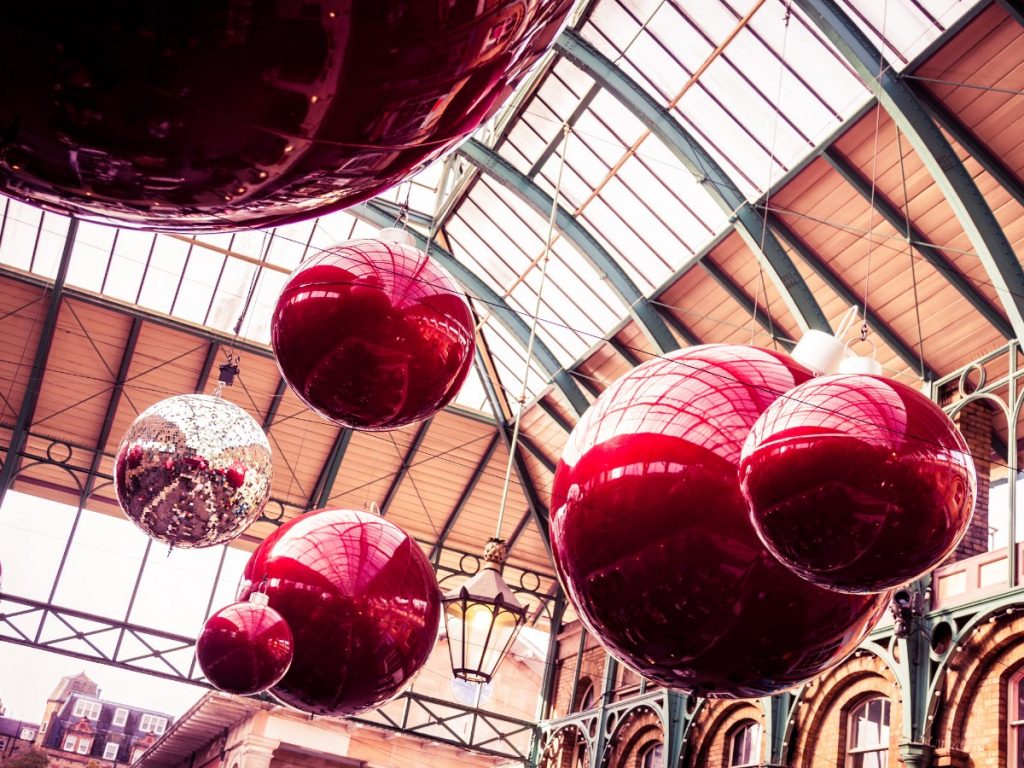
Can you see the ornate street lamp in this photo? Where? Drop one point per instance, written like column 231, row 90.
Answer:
column 482, row 618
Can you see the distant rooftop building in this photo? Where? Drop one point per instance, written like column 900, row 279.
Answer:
column 15, row 736
column 79, row 725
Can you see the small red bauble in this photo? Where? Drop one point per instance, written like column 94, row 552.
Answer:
column 199, row 115
column 654, row 544
column 362, row 602
column 373, row 335
column 858, row 483
column 245, row 648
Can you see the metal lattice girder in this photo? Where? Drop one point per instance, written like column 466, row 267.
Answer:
column 527, row 190
column 170, row 656
column 931, row 252
column 747, row 220
column 990, row 243
column 905, row 352
column 469, row 280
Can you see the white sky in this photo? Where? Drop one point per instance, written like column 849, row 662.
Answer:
column 98, row 577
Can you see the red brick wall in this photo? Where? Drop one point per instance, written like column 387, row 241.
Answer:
column 975, row 423
column 637, row 730
column 820, row 729
column 709, row 735
column 591, row 669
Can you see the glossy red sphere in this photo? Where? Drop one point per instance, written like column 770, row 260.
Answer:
column 245, row 648
column 362, row 602
column 373, row 335
column 654, row 545
column 858, row 483
column 207, row 115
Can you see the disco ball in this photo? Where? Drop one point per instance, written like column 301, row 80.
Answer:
column 373, row 335
column 363, row 604
column 193, row 471
column 654, row 544
column 858, row 483
column 245, row 648
column 211, row 115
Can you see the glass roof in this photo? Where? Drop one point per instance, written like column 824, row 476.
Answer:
column 759, row 94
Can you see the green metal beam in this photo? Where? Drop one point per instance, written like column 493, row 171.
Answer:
column 373, row 214
column 747, row 220
column 329, row 472
column 275, row 404
column 527, row 190
column 966, row 138
column 467, row 491
column 821, row 268
column 19, row 435
column 989, row 241
column 744, row 299
column 931, row 252
column 403, row 470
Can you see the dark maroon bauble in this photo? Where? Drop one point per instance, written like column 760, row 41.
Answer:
column 655, row 547
column 858, row 483
column 245, row 648
column 373, row 335
column 362, row 602
column 210, row 115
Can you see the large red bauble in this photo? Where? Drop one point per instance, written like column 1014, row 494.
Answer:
column 362, row 602
column 245, row 648
column 208, row 114
column 858, row 483
column 654, row 544
column 373, row 335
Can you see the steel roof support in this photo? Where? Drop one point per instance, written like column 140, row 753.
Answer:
column 410, row 454
column 744, row 299
column 275, row 404
column 19, row 435
column 204, row 373
column 931, row 252
column 967, row 139
column 747, row 220
column 467, row 491
column 511, row 319
column 990, row 243
column 329, row 472
column 527, row 190
column 821, row 268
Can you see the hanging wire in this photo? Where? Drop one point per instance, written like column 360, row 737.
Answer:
column 759, row 254
column 910, row 253
column 533, row 331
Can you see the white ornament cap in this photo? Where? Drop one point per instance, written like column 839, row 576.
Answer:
column 819, row 351
column 859, row 364
column 397, row 235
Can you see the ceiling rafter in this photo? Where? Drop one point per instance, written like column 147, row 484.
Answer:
column 821, row 268
column 931, row 252
column 406, row 465
column 745, row 300
column 746, row 220
column 975, row 215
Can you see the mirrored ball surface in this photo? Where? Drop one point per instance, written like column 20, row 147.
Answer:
column 193, row 471
column 654, row 544
column 245, row 648
column 858, row 483
column 373, row 335
column 363, row 604
column 213, row 115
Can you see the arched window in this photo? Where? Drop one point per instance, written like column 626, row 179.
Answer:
column 652, row 755
column 583, row 698
column 745, row 745
column 1016, row 721
column 868, row 728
